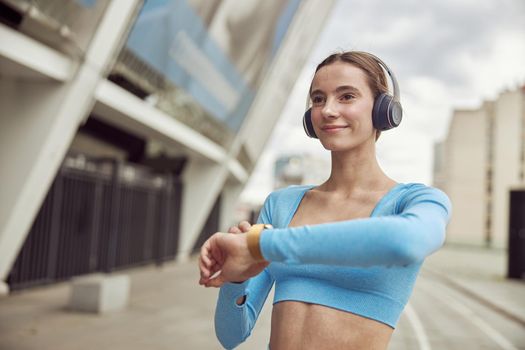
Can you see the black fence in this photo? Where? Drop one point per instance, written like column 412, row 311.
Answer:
column 100, row 215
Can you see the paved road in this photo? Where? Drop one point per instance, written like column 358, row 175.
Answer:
column 168, row 310
column 440, row 317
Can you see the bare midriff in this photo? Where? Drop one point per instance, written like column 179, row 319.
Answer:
column 298, row 325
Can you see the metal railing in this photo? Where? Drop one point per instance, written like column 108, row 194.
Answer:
column 99, row 215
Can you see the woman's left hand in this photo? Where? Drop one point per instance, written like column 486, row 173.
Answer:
column 228, row 257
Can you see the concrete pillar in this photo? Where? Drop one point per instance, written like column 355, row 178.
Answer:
column 36, row 134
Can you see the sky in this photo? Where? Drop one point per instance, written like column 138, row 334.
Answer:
column 445, row 54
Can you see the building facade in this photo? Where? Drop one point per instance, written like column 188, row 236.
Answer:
column 479, row 162
column 129, row 128
column 300, row 169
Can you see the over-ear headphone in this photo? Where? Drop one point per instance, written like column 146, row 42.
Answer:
column 386, row 113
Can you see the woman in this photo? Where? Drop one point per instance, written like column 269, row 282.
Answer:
column 344, row 255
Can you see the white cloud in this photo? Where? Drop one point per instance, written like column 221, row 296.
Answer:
column 502, row 68
column 425, row 106
column 446, row 54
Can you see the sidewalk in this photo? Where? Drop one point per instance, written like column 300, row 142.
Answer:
column 480, row 273
column 169, row 310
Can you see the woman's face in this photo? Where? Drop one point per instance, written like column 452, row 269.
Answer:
column 342, row 105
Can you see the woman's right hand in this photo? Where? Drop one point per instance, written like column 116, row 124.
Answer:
column 218, row 250
column 243, row 227
column 207, row 263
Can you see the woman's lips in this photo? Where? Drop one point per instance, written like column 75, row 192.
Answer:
column 333, row 128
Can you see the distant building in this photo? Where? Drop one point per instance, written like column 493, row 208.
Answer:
column 481, row 159
column 300, row 170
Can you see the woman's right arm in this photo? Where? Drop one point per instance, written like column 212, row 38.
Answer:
column 234, row 322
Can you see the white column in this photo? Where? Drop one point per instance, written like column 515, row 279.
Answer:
column 39, row 119
column 203, row 182
column 229, row 200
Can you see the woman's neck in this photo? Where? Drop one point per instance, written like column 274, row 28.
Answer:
column 356, row 170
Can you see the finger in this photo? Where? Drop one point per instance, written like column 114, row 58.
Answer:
column 214, row 276
column 207, row 270
column 245, row 226
column 206, row 267
column 205, row 262
column 214, row 271
column 203, row 269
column 216, row 282
column 208, row 260
column 206, row 250
column 234, row 229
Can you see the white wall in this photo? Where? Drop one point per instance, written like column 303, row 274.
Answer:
column 508, row 119
column 465, row 169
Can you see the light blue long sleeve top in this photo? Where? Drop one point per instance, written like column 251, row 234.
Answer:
column 364, row 266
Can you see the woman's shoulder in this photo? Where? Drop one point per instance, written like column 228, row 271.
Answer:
column 291, row 190
column 417, row 192
column 287, row 195
column 417, row 188
column 280, row 203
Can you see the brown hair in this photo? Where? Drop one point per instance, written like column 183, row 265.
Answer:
column 374, row 72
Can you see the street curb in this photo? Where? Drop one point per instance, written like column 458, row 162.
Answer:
column 468, row 291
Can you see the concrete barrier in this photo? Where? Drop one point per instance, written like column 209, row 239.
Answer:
column 99, row 293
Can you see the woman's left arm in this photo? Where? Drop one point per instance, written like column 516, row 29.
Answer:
column 416, row 232
column 402, row 239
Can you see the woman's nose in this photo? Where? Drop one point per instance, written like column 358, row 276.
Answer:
column 329, row 110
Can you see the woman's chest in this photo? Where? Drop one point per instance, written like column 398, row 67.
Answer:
column 317, row 209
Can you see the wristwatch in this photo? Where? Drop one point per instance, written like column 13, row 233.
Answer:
column 252, row 239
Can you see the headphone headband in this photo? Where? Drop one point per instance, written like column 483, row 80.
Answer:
column 395, row 86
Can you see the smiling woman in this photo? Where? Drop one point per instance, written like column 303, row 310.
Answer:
column 343, row 255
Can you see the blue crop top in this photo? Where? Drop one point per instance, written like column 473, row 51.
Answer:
column 365, row 266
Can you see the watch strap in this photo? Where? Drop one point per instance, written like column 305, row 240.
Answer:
column 252, row 239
